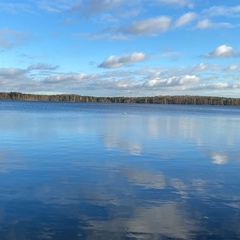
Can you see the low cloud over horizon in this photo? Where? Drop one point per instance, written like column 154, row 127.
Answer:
column 191, row 80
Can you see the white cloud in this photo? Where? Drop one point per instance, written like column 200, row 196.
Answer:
column 223, row 51
column 180, row 3
column 188, row 79
column 46, row 5
column 213, row 86
column 116, row 62
column 85, row 6
column 11, row 72
column 90, row 7
column 227, row 11
column 134, row 82
column 185, row 19
column 149, row 26
column 67, row 78
column 206, row 23
column 94, row 6
column 15, row 79
column 42, row 66
column 233, row 67
column 203, row 67
column 96, row 36
column 56, row 6
column 172, row 81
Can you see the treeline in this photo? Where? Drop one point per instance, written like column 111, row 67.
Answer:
column 195, row 100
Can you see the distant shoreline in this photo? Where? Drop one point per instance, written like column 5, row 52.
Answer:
column 186, row 100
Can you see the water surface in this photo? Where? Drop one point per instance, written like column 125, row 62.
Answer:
column 119, row 171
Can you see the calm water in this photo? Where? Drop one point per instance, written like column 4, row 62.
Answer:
column 119, row 171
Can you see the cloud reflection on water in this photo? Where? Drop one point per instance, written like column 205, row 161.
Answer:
column 140, row 176
column 153, row 134
column 219, row 158
column 152, row 223
column 147, row 179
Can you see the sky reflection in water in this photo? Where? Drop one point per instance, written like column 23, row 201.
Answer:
column 115, row 171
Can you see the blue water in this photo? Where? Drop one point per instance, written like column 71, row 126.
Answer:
column 119, row 171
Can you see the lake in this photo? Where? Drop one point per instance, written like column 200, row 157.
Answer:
column 119, row 171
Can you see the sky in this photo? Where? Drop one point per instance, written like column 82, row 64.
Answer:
column 120, row 47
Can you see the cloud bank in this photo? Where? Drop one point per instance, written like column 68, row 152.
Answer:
column 191, row 80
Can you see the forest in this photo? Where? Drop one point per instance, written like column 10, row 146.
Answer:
column 194, row 100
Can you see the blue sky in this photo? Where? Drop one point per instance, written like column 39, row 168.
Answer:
column 121, row 47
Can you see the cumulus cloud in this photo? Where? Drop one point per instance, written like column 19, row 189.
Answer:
column 223, row 51
column 11, row 38
column 116, row 62
column 148, row 26
column 185, row 19
column 172, row 81
column 206, row 23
